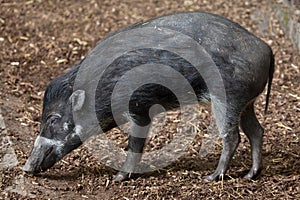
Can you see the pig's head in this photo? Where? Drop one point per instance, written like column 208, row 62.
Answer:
column 58, row 133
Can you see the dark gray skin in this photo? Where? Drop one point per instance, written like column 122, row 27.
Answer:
column 245, row 62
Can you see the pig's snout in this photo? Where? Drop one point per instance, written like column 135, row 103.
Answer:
column 44, row 155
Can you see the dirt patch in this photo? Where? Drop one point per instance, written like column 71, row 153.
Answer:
column 40, row 39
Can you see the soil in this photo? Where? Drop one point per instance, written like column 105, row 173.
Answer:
column 41, row 39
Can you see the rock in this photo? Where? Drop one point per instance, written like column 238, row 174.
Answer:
column 289, row 18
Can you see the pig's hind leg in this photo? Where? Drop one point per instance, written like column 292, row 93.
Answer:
column 229, row 131
column 136, row 142
column 254, row 132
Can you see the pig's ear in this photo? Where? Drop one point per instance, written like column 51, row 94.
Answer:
column 77, row 99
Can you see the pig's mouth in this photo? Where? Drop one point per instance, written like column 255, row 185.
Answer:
column 46, row 152
column 42, row 157
column 36, row 164
column 46, row 159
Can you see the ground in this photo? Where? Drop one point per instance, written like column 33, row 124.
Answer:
column 41, row 39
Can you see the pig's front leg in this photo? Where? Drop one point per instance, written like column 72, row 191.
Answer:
column 136, row 143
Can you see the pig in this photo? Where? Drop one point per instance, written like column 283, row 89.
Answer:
column 246, row 65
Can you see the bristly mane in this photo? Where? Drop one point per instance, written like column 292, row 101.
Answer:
column 62, row 86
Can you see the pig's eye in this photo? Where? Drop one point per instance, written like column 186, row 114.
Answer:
column 52, row 119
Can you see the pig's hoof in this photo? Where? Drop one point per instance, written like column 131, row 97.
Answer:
column 213, row 177
column 253, row 174
column 121, row 176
